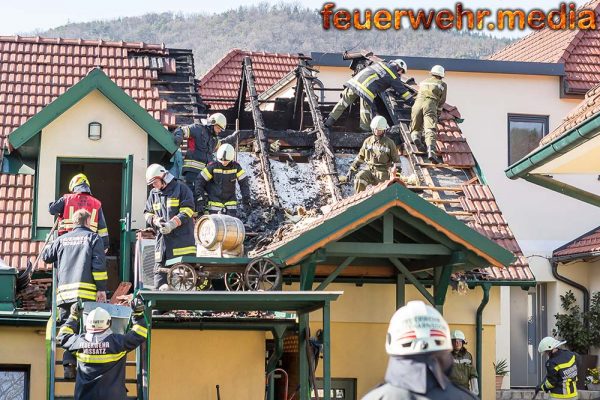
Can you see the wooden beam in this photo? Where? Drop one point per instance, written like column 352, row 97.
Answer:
column 326, row 150
column 259, row 128
column 335, row 273
column 412, row 279
column 388, row 228
column 385, row 250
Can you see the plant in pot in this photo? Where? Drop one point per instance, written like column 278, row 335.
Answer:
column 581, row 330
column 501, row 369
column 592, row 380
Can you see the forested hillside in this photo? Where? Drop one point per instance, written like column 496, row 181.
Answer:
column 284, row 28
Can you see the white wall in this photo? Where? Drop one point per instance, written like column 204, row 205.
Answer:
column 66, row 136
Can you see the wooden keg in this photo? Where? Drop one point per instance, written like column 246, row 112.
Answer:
column 218, row 229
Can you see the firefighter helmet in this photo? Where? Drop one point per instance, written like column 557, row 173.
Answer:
column 379, row 123
column 226, row 152
column 438, row 70
column 98, row 320
column 78, row 180
column 458, row 335
column 417, row 328
column 154, row 172
column 217, row 119
column 400, row 63
column 549, row 343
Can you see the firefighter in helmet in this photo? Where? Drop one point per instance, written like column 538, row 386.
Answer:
column 80, row 196
column 561, row 370
column 216, row 185
column 464, row 372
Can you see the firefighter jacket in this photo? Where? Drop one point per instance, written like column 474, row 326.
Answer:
column 101, row 358
column 174, row 201
column 378, row 152
column 434, row 89
column 202, row 142
column 561, row 375
column 218, row 182
column 416, row 379
column 81, row 266
column 375, row 79
column 81, row 197
column 464, row 368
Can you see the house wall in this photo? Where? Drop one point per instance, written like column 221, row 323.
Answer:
column 359, row 321
column 66, row 136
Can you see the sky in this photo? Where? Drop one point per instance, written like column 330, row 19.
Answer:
column 20, row 17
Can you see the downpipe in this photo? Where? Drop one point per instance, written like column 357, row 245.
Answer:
column 479, row 332
column 583, row 289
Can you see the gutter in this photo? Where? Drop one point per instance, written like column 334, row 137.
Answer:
column 24, row 318
column 575, row 137
column 479, row 332
column 586, row 293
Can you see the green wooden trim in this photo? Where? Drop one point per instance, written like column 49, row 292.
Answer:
column 400, row 291
column 95, row 80
column 397, row 192
column 563, row 188
column 385, row 250
column 440, row 289
column 388, row 228
column 411, row 278
column 335, row 273
column 326, row 351
column 304, row 375
column 307, row 273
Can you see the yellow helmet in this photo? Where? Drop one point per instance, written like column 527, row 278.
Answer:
column 78, row 180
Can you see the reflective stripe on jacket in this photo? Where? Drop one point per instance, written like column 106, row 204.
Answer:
column 464, row 368
column 219, row 183
column 561, row 375
column 375, row 79
column 101, row 358
column 435, row 89
column 175, row 200
column 378, row 153
column 81, row 265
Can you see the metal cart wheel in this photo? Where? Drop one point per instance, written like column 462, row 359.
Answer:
column 182, row 277
column 204, row 281
column 234, row 281
column 262, row 274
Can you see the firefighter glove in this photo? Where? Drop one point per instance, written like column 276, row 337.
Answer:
column 168, row 227
column 76, row 310
column 158, row 222
column 137, row 305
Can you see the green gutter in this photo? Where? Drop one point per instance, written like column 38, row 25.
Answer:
column 24, row 318
column 479, row 332
column 583, row 132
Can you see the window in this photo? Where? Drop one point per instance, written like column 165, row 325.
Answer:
column 524, row 134
column 14, row 382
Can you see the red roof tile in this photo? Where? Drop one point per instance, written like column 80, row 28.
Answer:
column 34, row 71
column 578, row 49
column 222, row 80
column 585, row 245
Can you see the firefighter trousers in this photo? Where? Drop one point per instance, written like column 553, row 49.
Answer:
column 64, row 310
column 368, row 177
column 424, row 117
column 348, row 97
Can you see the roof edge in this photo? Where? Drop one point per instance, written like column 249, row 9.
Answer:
column 455, row 64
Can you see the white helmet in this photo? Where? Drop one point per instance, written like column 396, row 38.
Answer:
column 417, row 328
column 438, row 70
column 549, row 343
column 154, row 172
column 217, row 119
column 379, row 123
column 458, row 335
column 98, row 320
column 400, row 64
column 226, row 152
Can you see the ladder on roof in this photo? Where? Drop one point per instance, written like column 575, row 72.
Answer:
column 57, row 385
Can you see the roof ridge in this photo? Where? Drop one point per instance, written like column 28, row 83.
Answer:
column 82, row 42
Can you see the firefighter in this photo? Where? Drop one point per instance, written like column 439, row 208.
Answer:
column 367, row 84
column 418, row 342
column 426, row 112
column 216, row 187
column 80, row 196
column 81, row 271
column 101, row 354
column 202, row 141
column 379, row 153
column 463, row 373
column 169, row 211
column 561, row 370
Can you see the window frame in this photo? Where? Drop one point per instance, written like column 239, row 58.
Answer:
column 26, row 369
column 512, row 117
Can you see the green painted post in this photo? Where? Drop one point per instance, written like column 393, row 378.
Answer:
column 302, row 357
column 400, row 291
column 326, row 352
column 388, row 228
column 307, row 273
column 440, row 288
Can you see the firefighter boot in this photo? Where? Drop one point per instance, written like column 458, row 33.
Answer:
column 417, row 141
column 329, row 122
column 433, row 156
column 69, row 371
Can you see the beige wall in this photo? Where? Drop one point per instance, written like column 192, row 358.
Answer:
column 66, row 136
column 188, row 364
